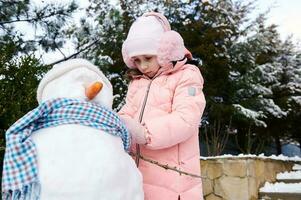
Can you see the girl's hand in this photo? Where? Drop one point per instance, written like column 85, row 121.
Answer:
column 137, row 131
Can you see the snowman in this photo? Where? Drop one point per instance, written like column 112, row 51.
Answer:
column 84, row 157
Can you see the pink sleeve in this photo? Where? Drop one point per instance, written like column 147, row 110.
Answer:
column 187, row 109
column 128, row 109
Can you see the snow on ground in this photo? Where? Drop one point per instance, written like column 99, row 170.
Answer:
column 274, row 157
column 289, row 175
column 281, row 188
column 297, row 167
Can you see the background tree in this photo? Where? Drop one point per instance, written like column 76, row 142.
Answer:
column 263, row 86
column 254, row 72
column 288, row 91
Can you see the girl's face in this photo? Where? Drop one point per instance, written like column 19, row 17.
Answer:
column 147, row 64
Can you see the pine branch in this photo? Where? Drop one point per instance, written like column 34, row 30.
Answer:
column 75, row 54
column 30, row 19
column 59, row 50
column 17, row 20
column 167, row 167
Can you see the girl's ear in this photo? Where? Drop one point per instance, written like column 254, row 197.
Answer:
column 188, row 54
column 171, row 48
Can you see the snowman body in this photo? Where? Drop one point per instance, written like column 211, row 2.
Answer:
column 77, row 162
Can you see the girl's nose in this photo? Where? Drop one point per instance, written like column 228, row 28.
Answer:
column 144, row 65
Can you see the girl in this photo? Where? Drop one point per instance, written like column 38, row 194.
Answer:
column 163, row 109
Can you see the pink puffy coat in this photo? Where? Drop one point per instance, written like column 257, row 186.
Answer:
column 172, row 114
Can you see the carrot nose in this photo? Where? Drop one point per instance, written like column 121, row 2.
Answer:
column 93, row 90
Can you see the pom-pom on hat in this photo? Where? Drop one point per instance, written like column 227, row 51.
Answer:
column 151, row 34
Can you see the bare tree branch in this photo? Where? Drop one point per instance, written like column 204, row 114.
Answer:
column 38, row 17
column 167, row 167
column 59, row 49
column 75, row 54
column 29, row 20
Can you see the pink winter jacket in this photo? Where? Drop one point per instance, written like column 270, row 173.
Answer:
column 172, row 114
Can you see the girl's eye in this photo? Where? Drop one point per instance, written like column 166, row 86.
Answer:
column 136, row 61
column 148, row 58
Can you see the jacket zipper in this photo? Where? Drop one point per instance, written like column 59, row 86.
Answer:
column 179, row 159
column 140, row 120
column 179, row 163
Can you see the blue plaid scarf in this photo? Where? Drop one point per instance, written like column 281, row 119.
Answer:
column 20, row 175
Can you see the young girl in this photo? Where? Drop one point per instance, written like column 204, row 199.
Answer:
column 163, row 109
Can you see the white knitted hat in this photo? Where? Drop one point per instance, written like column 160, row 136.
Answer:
column 64, row 67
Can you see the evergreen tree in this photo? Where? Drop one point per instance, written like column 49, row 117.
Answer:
column 46, row 22
column 254, row 73
column 265, row 78
column 287, row 93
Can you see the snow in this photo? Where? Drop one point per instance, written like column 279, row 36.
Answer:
column 297, row 99
column 101, row 154
column 297, row 167
column 289, row 175
column 251, row 114
column 262, row 156
column 272, row 108
column 281, row 187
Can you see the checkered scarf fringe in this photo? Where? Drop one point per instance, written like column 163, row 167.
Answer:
column 20, row 175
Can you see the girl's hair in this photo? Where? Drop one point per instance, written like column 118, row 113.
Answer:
column 189, row 61
column 131, row 73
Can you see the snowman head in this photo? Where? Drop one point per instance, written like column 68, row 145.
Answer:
column 76, row 78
